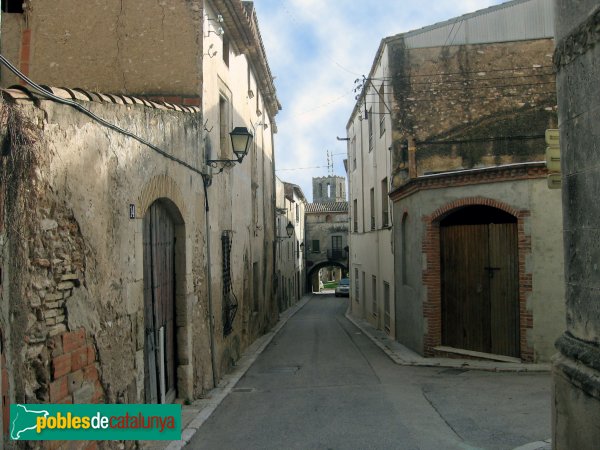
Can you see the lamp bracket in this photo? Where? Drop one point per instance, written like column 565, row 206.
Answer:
column 214, row 163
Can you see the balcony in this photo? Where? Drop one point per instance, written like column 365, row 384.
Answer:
column 336, row 254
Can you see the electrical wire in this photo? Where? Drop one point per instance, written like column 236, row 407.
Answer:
column 465, row 100
column 436, row 74
column 43, row 92
column 301, row 168
column 468, row 80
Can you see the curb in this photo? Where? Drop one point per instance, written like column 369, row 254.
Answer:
column 539, row 445
column 228, row 382
column 405, row 357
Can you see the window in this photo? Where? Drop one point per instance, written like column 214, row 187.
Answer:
column 385, row 219
column 316, row 246
column 336, row 242
column 336, row 248
column 381, row 109
column 297, row 213
column 12, row 6
column 297, row 248
column 372, row 196
column 404, row 251
column 370, row 123
column 223, row 127
column 374, row 294
column 356, row 291
column 386, row 307
column 226, row 49
column 353, row 152
column 230, row 304
column 355, row 214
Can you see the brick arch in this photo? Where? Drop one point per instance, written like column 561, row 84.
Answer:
column 161, row 186
column 447, row 209
column 431, row 275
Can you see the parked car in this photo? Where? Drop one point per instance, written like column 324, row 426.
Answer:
column 343, row 288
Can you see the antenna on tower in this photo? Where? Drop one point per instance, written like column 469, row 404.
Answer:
column 329, row 164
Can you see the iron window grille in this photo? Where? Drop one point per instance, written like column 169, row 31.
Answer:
column 230, row 303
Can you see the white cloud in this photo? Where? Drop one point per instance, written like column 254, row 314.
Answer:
column 316, row 49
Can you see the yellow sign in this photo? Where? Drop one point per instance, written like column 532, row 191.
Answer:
column 554, row 180
column 552, row 137
column 553, row 159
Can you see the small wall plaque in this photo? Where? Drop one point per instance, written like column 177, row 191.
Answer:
column 131, row 211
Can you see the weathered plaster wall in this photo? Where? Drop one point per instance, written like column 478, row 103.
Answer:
column 138, row 48
column 371, row 246
column 242, row 197
column 472, row 94
column 542, row 226
column 76, row 269
column 576, row 371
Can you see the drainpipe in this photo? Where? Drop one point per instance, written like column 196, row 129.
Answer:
column 211, row 318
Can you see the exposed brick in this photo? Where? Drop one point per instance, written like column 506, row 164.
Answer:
column 61, row 365
column 90, row 373
column 79, row 358
column 431, row 276
column 91, row 353
column 68, row 400
column 92, row 446
column 73, row 340
column 58, row 390
column 75, row 380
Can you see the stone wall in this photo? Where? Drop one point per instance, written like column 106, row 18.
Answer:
column 72, row 256
column 471, row 105
column 576, row 369
column 152, row 48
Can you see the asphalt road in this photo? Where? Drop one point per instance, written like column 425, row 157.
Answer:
column 322, row 384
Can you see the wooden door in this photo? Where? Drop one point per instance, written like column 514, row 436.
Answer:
column 480, row 288
column 159, row 305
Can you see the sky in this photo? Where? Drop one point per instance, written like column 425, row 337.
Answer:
column 316, row 49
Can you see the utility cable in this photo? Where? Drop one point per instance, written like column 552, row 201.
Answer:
column 437, row 74
column 43, row 92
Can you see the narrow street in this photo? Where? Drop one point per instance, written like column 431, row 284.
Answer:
column 322, row 384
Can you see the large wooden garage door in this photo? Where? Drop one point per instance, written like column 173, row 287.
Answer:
column 159, row 305
column 480, row 309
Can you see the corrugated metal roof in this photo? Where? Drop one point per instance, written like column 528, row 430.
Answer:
column 511, row 21
column 327, row 207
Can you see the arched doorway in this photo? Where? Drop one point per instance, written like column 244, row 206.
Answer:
column 480, row 281
column 163, row 242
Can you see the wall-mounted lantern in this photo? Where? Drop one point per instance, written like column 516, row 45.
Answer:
column 241, row 139
column 289, row 229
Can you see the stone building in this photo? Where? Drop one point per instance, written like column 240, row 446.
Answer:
column 474, row 247
column 113, row 215
column 326, row 232
column 329, row 189
column 576, row 371
column 289, row 250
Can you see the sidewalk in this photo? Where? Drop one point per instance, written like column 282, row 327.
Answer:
column 403, row 356
column 194, row 415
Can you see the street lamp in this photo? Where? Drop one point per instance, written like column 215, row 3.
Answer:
column 289, row 229
column 241, row 139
